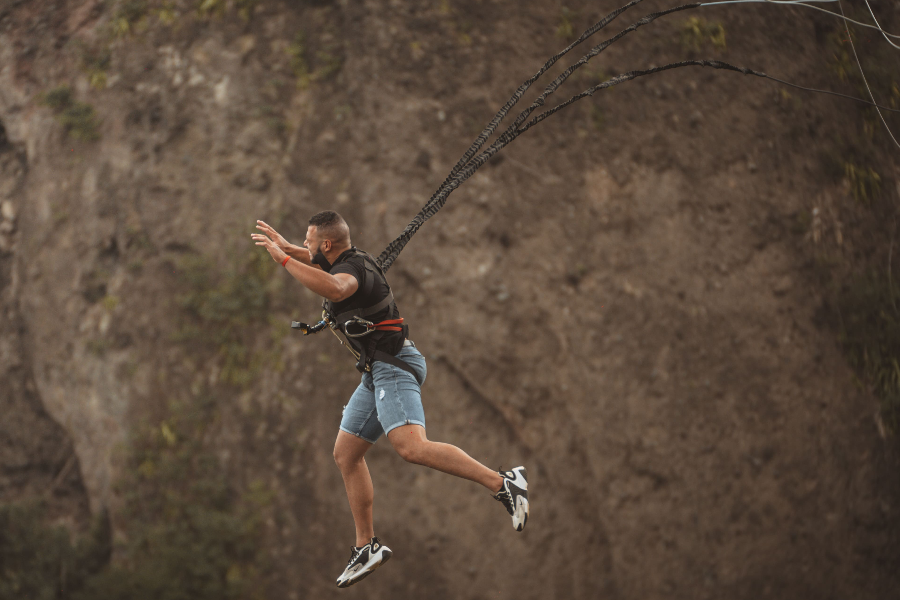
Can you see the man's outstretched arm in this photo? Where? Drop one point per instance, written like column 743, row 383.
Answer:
column 331, row 287
column 337, row 287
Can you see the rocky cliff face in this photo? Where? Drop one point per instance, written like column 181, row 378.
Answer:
column 620, row 301
column 37, row 459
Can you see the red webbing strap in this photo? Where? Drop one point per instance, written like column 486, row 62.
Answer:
column 387, row 325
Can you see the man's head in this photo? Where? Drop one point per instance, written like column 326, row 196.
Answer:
column 328, row 235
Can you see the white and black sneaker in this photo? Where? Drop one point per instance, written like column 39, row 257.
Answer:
column 514, row 495
column 363, row 561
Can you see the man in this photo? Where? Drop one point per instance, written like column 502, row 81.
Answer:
column 388, row 399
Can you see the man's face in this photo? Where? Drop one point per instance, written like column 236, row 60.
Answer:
column 313, row 241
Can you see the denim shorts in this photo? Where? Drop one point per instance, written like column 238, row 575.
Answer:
column 386, row 398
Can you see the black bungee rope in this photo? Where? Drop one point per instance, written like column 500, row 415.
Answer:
column 467, row 165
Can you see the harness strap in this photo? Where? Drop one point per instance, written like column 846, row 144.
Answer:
column 369, row 327
column 370, row 281
column 389, row 325
column 365, row 312
column 378, row 355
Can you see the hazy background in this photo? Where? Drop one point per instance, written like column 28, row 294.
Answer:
column 675, row 302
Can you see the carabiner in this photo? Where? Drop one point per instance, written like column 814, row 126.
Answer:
column 367, row 327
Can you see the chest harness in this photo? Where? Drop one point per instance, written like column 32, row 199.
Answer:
column 362, row 335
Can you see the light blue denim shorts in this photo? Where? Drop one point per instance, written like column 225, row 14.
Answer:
column 386, row 398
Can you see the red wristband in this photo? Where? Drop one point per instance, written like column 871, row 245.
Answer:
column 284, row 262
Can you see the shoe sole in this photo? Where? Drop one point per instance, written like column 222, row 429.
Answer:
column 524, row 522
column 385, row 556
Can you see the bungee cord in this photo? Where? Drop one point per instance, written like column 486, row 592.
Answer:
column 486, row 133
column 389, row 254
column 876, row 27
column 887, row 36
column 715, row 64
column 470, row 163
column 861, row 72
column 831, row 93
column 386, row 258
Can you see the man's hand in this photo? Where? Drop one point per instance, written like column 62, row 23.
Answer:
column 296, row 252
column 336, row 287
column 278, row 255
column 276, row 237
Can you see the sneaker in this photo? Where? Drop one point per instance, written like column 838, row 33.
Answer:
column 514, row 496
column 363, row 561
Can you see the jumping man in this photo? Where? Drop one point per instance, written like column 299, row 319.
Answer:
column 388, row 400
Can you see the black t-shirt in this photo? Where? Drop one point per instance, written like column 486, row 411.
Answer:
column 356, row 266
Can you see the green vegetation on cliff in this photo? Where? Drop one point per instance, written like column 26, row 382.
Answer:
column 184, row 532
column 78, row 118
column 187, row 533
column 226, row 304
column 41, row 562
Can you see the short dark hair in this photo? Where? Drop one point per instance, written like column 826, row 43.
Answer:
column 331, row 225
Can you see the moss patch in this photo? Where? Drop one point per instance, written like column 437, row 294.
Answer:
column 327, row 62
column 697, row 32
column 565, row 24
column 78, row 118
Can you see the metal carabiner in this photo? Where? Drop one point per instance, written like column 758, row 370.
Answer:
column 368, row 327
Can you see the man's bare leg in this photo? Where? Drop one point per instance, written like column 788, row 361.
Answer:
column 348, row 454
column 411, row 444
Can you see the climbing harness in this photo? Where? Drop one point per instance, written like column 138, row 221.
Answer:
column 357, row 331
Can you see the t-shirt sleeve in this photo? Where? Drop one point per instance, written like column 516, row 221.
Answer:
column 351, row 267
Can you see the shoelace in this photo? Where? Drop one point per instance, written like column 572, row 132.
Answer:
column 503, row 496
column 353, row 554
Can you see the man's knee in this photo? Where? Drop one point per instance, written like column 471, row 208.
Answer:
column 411, row 451
column 339, row 458
column 345, row 458
column 345, row 461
